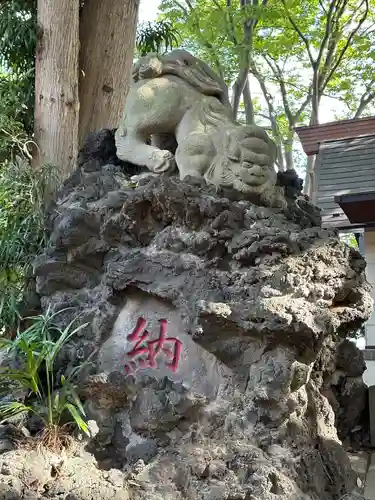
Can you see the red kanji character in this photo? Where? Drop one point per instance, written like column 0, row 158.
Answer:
column 152, row 348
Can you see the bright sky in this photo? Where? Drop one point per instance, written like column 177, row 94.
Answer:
column 148, row 10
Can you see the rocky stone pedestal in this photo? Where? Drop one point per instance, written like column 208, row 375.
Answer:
column 207, row 319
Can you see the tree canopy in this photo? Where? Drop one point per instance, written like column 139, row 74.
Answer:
column 283, row 60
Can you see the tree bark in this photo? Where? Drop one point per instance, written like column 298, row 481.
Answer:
column 288, row 150
column 364, row 102
column 277, row 137
column 248, row 102
column 237, row 90
column 56, row 85
column 107, row 35
column 309, row 185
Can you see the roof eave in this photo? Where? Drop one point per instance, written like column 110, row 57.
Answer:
column 358, row 207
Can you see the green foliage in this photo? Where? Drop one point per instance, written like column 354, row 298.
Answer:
column 350, row 240
column 291, row 43
column 17, row 56
column 16, row 105
column 36, row 350
column 22, row 232
column 18, row 34
column 22, row 190
column 158, row 37
column 13, row 134
column 203, row 30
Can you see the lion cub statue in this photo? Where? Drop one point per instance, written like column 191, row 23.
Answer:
column 178, row 95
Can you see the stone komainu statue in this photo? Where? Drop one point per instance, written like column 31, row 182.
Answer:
column 179, row 95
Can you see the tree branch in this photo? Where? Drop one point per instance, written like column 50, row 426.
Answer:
column 327, row 32
column 284, row 94
column 303, row 88
column 232, row 31
column 347, row 44
column 238, row 87
column 300, row 34
column 248, row 102
column 302, row 108
column 322, row 6
column 204, row 41
column 262, row 115
column 292, row 117
column 272, row 114
column 332, row 43
column 364, row 102
column 369, row 28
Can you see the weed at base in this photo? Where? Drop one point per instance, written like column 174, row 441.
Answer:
column 54, row 438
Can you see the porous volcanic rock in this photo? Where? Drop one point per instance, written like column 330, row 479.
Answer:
column 338, row 372
column 205, row 319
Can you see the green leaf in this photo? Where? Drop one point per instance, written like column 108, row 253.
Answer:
column 77, row 418
column 77, row 401
column 12, row 409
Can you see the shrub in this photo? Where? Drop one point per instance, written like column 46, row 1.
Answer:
column 16, row 111
column 22, row 233
column 159, row 37
column 18, row 30
column 51, row 400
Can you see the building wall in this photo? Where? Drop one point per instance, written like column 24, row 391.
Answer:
column 343, row 167
column 369, row 248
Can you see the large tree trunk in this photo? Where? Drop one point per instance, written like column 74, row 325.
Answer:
column 56, row 84
column 288, row 148
column 107, row 35
column 310, row 184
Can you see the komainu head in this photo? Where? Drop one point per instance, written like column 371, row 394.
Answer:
column 246, row 164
